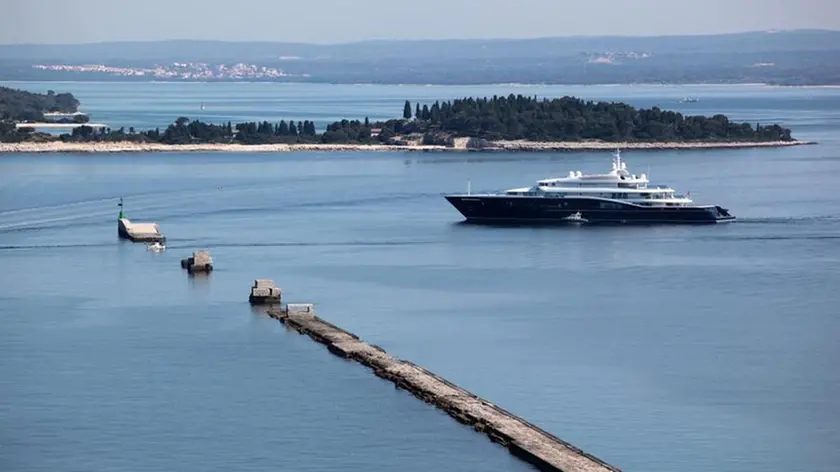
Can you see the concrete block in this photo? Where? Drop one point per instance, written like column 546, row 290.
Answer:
column 263, row 283
column 300, row 308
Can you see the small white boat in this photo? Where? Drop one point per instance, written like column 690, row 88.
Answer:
column 575, row 218
column 156, row 246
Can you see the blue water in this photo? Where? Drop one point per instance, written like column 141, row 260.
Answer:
column 656, row 349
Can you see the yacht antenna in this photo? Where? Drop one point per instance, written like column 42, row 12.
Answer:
column 469, row 185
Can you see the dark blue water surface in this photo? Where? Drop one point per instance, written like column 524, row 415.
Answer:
column 657, row 348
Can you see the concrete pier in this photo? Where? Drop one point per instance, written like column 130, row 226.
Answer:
column 523, row 439
column 145, row 232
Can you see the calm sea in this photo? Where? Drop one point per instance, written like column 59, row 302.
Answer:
column 658, row 349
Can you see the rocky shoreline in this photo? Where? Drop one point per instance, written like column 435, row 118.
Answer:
column 460, row 144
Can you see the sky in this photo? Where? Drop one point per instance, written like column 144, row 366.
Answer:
column 334, row 21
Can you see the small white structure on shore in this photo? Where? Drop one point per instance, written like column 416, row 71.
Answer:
column 48, row 125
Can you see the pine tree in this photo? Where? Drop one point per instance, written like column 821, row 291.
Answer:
column 435, row 112
column 292, row 129
column 407, row 110
column 417, row 114
column 367, row 121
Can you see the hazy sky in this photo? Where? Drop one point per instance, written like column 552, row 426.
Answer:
column 327, row 21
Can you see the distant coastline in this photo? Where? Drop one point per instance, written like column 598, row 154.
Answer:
column 651, row 83
column 780, row 57
column 462, row 145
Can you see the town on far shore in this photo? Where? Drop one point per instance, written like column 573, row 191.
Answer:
column 197, row 71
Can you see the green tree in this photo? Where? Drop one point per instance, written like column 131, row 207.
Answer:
column 407, row 110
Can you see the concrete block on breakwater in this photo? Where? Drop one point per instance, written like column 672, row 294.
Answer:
column 264, row 291
column 200, row 261
column 523, row 439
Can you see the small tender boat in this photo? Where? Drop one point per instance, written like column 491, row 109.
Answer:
column 576, row 218
column 156, row 246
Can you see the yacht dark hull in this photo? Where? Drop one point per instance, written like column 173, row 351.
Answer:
column 543, row 210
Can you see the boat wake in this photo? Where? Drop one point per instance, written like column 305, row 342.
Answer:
column 17, row 247
column 330, row 244
column 784, row 220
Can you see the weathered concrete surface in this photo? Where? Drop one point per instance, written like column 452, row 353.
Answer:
column 523, row 439
column 265, row 291
column 139, row 231
column 200, row 261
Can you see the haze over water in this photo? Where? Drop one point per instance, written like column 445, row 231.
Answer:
column 655, row 348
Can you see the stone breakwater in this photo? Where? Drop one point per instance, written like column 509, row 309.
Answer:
column 460, row 144
column 523, row 439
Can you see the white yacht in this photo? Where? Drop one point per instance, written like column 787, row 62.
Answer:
column 615, row 197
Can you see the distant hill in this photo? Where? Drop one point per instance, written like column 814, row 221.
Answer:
column 785, row 57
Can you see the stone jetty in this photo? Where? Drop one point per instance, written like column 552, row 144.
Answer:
column 138, row 232
column 523, row 439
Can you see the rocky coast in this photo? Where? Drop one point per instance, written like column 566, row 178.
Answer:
column 459, row 144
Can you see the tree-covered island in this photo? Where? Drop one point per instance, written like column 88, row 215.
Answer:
column 19, row 105
column 482, row 120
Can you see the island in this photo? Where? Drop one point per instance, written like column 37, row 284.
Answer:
column 506, row 123
column 20, row 105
